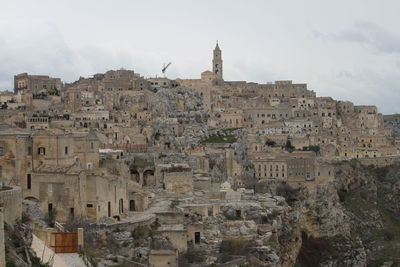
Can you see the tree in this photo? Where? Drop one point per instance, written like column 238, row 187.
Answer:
column 289, row 147
column 270, row 142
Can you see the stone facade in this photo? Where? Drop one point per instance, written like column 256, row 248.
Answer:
column 192, row 163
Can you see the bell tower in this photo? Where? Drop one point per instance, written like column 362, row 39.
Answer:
column 217, row 62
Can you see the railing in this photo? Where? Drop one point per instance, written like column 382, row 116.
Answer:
column 135, row 264
column 127, row 147
column 59, row 227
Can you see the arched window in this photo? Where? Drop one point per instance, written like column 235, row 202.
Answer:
column 42, row 151
column 121, row 206
column 28, row 181
column 132, row 205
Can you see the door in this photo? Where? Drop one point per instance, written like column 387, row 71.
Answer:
column 132, row 205
column 66, row 242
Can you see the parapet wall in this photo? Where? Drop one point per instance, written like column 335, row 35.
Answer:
column 11, row 199
column 380, row 161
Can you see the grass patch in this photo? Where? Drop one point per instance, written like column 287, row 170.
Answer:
column 221, row 139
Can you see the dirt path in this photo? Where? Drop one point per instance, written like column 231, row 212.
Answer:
column 58, row 260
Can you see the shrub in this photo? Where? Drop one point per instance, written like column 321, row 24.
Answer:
column 17, row 240
column 316, row 149
column 237, row 246
column 141, row 233
column 174, row 203
column 290, row 194
column 25, row 218
column 51, row 217
column 342, row 195
column 270, row 142
column 289, row 147
column 154, row 226
column 195, row 255
column 312, row 250
column 388, row 236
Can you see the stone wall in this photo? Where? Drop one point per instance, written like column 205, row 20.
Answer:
column 161, row 258
column 11, row 198
column 179, row 182
column 2, row 248
column 380, row 161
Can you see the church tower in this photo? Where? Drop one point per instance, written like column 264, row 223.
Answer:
column 217, row 62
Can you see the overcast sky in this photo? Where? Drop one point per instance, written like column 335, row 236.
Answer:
column 347, row 49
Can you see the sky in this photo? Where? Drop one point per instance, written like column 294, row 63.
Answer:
column 347, row 49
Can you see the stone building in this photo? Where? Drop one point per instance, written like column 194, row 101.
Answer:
column 176, row 178
column 16, row 155
column 36, row 84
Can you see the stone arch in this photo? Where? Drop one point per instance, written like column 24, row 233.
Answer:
column 32, row 198
column 127, row 140
column 148, row 177
column 135, row 175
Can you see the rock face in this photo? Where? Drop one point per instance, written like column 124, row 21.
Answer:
column 18, row 240
column 182, row 106
column 352, row 220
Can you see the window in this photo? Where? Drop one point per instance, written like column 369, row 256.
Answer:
column 72, row 212
column 91, row 145
column 238, row 213
column 1, row 150
column 121, row 206
column 132, row 205
column 89, row 205
column 66, row 150
column 28, row 181
column 29, row 150
column 197, row 237
column 49, row 188
column 42, row 151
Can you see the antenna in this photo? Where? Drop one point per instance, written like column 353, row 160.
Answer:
column 165, row 67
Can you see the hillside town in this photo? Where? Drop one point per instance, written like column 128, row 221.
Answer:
column 181, row 172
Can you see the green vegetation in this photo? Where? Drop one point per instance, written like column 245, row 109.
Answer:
column 290, row 194
column 221, row 139
column 51, row 217
column 53, row 92
column 383, row 242
column 270, row 142
column 229, row 130
column 141, row 233
column 25, row 218
column 372, row 203
column 194, row 255
column 272, row 242
column 288, row 147
column 236, row 246
column 222, row 136
column 174, row 203
column 313, row 251
column 316, row 149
